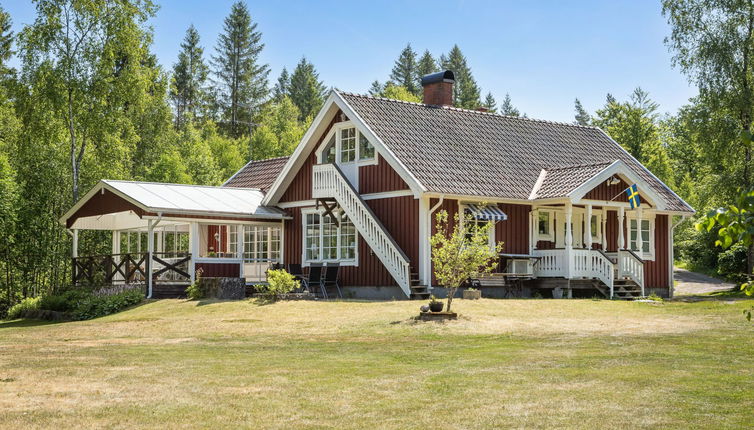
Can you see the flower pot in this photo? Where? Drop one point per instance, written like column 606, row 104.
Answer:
column 472, row 294
column 436, row 306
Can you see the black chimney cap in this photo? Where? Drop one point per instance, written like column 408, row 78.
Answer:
column 444, row 76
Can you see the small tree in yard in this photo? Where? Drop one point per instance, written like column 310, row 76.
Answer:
column 461, row 252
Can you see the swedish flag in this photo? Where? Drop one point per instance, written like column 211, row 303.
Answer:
column 633, row 196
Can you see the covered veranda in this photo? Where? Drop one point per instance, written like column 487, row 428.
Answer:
column 162, row 235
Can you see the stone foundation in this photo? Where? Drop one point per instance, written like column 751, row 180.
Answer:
column 223, row 288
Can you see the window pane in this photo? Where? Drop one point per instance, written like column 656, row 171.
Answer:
column 347, row 145
column 330, row 150
column 262, row 244
column 366, row 150
column 544, row 223
column 347, row 239
column 329, row 238
column 233, row 239
column 248, row 242
column 312, row 236
column 275, row 243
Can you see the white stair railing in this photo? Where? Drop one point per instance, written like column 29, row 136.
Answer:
column 632, row 267
column 328, row 182
column 587, row 263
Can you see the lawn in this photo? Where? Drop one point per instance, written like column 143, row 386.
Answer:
column 505, row 363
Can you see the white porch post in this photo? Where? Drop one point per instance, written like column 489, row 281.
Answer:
column 568, row 240
column 588, row 227
column 621, row 236
column 604, row 229
column 115, row 251
column 150, row 251
column 638, row 232
column 193, row 248
column 533, row 230
column 240, row 249
column 75, row 244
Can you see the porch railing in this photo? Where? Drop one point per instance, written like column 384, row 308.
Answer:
column 551, row 263
column 129, row 268
column 631, row 266
column 590, row 263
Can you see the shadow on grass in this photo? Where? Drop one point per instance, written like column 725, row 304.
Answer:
column 27, row 323
column 734, row 293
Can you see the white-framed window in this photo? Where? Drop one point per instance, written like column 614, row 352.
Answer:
column 325, row 241
column 366, row 149
column 261, row 243
column 643, row 229
column 545, row 225
column 233, row 239
column 475, row 224
column 346, row 144
column 596, row 227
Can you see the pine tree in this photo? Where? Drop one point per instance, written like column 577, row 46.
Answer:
column 426, row 66
column 490, row 103
column 307, row 92
column 376, row 89
column 6, row 39
column 241, row 79
column 582, row 116
column 189, row 77
column 466, row 93
column 405, row 70
column 507, row 108
column 282, row 88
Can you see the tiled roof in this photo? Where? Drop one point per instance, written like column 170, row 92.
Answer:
column 560, row 181
column 257, row 174
column 466, row 152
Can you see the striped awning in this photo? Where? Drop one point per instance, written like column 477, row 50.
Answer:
column 487, row 213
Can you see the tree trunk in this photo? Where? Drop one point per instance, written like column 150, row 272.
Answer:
column 74, row 158
column 750, row 260
column 451, row 293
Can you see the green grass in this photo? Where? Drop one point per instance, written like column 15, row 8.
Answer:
column 505, row 363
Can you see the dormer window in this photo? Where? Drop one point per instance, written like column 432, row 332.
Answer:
column 366, row 150
column 329, row 152
column 345, row 144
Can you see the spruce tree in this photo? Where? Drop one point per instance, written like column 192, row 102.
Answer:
column 426, row 65
column 282, row 88
column 405, row 71
column 490, row 103
column 307, row 92
column 582, row 116
column 466, row 93
column 376, row 89
column 190, row 73
column 507, row 108
column 241, row 79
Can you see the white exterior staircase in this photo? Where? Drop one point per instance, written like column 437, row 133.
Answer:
column 329, row 182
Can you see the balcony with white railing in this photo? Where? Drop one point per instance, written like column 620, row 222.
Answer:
column 329, row 182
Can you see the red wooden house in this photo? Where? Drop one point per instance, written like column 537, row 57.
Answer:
column 362, row 188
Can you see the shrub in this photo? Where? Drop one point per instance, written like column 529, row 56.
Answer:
column 64, row 302
column 731, row 263
column 19, row 309
column 98, row 306
column 278, row 282
column 195, row 291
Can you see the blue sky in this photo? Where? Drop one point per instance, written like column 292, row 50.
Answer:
column 543, row 53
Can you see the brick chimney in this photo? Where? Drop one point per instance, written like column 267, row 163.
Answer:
column 438, row 88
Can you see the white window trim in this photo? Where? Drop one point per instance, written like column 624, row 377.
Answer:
column 252, row 250
column 491, row 234
column 544, row 237
column 596, row 232
column 335, row 130
column 305, row 262
column 645, row 216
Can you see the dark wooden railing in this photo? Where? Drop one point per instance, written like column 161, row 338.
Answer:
column 101, row 270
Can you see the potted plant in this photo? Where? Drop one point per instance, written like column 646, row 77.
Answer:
column 472, row 294
column 435, row 305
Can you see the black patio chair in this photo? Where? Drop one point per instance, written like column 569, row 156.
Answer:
column 298, row 273
column 315, row 279
column 331, row 279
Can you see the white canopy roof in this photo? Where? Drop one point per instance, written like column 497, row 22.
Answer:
column 170, row 199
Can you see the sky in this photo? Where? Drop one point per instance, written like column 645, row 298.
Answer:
column 543, row 53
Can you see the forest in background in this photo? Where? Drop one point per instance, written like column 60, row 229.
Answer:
column 89, row 100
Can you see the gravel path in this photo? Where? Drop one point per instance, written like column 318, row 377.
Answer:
column 691, row 283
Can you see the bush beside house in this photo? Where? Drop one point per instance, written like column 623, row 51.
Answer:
column 75, row 304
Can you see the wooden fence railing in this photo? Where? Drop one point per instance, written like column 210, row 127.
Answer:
column 101, row 270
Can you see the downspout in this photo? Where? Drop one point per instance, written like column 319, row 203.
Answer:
column 150, row 251
column 428, row 268
column 671, row 261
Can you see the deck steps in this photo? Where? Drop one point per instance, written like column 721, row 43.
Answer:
column 418, row 291
column 626, row 289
